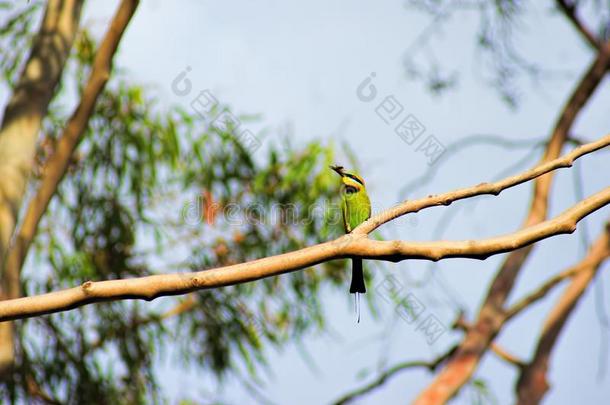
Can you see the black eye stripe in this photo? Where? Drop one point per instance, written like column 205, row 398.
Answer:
column 351, row 176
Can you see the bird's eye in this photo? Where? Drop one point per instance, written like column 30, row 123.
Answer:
column 350, row 189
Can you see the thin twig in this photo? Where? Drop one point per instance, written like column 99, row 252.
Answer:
column 569, row 10
column 383, row 377
column 541, row 291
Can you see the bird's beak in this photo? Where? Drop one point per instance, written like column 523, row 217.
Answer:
column 338, row 169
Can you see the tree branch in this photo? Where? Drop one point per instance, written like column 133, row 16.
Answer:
column 460, row 368
column 541, row 291
column 383, row 377
column 506, row 356
column 569, row 10
column 532, row 383
column 151, row 287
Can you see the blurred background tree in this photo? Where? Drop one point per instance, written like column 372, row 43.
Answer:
column 148, row 191
column 152, row 188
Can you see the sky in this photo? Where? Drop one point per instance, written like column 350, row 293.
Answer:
column 299, row 65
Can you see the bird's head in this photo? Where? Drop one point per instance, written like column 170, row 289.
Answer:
column 351, row 181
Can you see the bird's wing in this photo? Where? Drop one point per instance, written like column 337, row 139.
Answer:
column 345, row 209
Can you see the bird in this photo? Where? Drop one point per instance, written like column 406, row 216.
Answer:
column 356, row 208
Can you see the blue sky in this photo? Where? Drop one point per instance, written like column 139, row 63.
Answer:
column 298, row 64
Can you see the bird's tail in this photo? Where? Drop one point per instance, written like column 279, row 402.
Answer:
column 357, row 285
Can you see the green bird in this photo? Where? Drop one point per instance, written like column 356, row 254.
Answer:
column 356, row 208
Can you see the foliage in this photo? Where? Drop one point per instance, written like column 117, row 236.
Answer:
column 16, row 33
column 156, row 190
